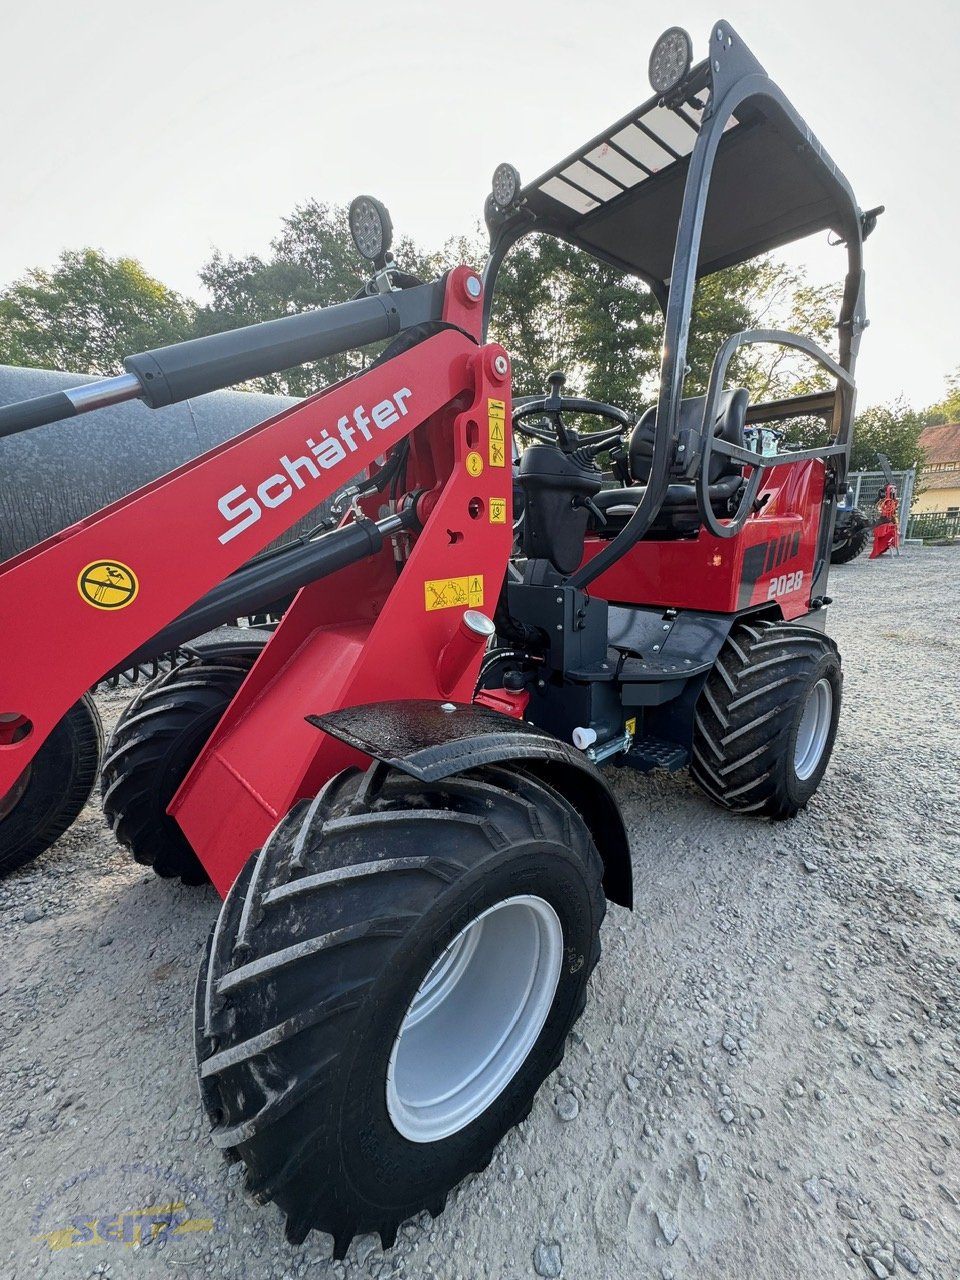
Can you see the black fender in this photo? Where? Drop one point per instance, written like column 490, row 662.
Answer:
column 433, row 740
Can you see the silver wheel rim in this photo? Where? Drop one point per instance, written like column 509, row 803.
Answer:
column 814, row 729
column 475, row 1018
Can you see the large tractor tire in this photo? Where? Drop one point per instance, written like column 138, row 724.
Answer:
column 156, row 740
column 766, row 720
column 850, row 541
column 53, row 788
column 388, row 984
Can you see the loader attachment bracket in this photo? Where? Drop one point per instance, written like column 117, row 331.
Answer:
column 430, row 741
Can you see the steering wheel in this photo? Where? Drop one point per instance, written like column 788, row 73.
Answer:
column 553, row 404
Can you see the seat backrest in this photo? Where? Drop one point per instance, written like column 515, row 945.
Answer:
column 731, row 415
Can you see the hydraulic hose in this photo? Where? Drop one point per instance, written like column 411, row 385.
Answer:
column 271, row 578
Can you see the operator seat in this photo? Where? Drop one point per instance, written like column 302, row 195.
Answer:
column 679, row 516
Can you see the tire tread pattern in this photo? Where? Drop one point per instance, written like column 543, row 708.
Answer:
column 155, row 741
column 742, row 752
column 63, row 774
column 355, row 890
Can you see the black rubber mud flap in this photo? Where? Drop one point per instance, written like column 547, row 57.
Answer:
column 433, row 740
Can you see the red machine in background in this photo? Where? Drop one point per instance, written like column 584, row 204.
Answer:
column 886, row 532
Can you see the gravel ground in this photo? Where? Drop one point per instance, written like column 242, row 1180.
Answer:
column 766, row 1081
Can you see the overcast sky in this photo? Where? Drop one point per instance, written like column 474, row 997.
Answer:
column 162, row 131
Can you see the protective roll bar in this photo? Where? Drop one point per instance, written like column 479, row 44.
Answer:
column 168, row 375
column 673, row 366
column 698, row 463
column 764, row 128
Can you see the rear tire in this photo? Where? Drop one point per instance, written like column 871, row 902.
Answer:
column 352, row 1088
column 54, row 787
column 850, row 546
column 151, row 750
column 766, row 720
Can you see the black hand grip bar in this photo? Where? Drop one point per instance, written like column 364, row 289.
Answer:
column 760, row 463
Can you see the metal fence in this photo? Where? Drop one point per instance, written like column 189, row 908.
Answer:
column 869, row 485
column 934, row 524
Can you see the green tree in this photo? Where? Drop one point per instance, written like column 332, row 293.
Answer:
column 948, row 409
column 893, row 429
column 87, row 313
column 557, row 308
column 312, row 263
column 762, row 294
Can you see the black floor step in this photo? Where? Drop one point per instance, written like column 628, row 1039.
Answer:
column 649, row 753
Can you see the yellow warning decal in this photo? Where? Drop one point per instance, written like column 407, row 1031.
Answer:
column 453, row 593
column 498, row 511
column 631, row 726
column 496, row 420
column 474, row 464
column 108, row 584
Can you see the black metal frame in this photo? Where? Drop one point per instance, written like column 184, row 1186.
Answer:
column 698, row 467
column 733, row 78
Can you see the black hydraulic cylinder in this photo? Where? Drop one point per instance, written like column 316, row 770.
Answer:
column 170, row 374
column 26, row 414
column 270, row 578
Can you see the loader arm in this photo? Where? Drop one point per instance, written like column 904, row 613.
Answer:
column 95, row 592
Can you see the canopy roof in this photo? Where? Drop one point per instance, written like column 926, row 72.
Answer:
column 619, row 196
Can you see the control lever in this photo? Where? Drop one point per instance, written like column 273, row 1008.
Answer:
column 551, row 407
column 592, row 507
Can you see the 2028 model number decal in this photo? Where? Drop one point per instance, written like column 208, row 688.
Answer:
column 786, row 583
column 762, row 558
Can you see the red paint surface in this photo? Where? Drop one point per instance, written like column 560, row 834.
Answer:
column 707, row 573
column 362, row 635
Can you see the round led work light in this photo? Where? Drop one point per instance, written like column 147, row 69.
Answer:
column 506, row 187
column 670, row 60
column 370, row 227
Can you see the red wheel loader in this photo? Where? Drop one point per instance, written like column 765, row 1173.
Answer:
column 397, row 792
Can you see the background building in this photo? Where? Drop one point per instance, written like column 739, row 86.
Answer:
column 940, row 474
